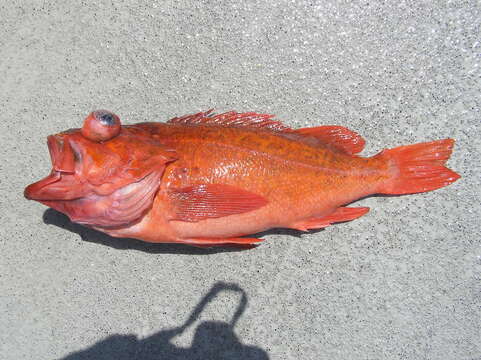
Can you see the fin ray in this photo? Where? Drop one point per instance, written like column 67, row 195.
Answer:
column 419, row 167
column 207, row 201
column 233, row 119
column 339, row 215
column 338, row 137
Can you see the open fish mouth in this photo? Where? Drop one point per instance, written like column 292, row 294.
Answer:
column 62, row 154
column 61, row 183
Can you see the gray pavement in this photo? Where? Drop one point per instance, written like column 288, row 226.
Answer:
column 402, row 282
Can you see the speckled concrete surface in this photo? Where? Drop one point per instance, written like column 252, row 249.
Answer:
column 402, row 282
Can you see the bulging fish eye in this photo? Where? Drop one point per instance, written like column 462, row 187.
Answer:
column 101, row 125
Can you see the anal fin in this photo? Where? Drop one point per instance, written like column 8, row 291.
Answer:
column 339, row 215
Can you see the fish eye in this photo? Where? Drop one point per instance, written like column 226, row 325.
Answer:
column 101, row 125
column 107, row 119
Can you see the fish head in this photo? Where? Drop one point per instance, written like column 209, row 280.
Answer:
column 103, row 175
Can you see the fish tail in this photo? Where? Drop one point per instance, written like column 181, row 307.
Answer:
column 418, row 168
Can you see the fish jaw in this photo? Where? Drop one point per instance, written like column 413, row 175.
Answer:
column 56, row 186
column 36, row 191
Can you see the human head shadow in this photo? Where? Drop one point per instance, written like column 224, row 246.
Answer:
column 212, row 339
column 53, row 217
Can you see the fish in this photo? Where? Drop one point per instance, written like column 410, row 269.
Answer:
column 209, row 179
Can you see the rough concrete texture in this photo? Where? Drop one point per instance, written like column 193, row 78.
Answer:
column 402, row 282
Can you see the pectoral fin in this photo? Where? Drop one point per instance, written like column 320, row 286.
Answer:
column 208, row 201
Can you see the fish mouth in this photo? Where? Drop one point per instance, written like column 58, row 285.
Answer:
column 61, row 183
column 62, row 154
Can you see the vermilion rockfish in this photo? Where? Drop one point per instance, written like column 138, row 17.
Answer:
column 208, row 180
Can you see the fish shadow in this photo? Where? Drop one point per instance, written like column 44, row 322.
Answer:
column 53, row 217
column 212, row 339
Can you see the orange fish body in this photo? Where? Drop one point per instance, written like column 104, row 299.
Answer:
column 218, row 178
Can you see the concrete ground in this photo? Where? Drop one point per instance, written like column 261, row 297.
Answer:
column 402, row 282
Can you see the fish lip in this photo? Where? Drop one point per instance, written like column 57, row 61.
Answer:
column 54, row 148
column 34, row 191
column 62, row 153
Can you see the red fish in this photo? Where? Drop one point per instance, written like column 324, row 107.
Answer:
column 208, row 180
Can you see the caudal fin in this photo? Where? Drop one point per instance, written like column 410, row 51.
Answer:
column 419, row 167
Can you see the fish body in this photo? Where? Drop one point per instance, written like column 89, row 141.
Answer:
column 208, row 180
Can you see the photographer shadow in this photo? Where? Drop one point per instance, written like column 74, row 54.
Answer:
column 212, row 339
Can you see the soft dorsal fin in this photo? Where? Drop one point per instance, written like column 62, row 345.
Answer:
column 210, row 201
column 232, row 118
column 338, row 137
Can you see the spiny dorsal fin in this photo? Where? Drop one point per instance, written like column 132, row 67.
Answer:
column 232, row 118
column 338, row 137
